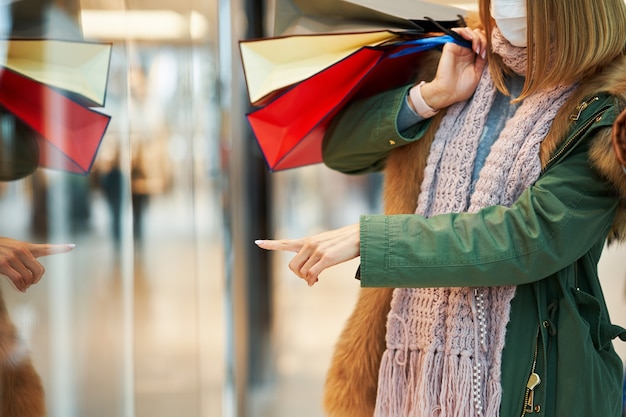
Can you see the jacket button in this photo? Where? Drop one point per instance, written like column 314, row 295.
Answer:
column 537, row 408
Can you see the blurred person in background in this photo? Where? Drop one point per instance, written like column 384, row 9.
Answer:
column 112, row 181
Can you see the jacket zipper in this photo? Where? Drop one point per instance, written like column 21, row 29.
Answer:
column 574, row 117
column 582, row 106
column 533, row 381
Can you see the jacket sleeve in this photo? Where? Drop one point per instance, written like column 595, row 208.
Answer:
column 554, row 222
column 359, row 138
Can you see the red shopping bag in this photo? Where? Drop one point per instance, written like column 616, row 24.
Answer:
column 290, row 128
column 70, row 133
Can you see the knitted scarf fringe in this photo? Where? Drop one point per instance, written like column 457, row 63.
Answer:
column 419, row 391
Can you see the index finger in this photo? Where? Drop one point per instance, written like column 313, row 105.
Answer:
column 291, row 245
column 45, row 249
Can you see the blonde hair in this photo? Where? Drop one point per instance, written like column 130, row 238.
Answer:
column 568, row 40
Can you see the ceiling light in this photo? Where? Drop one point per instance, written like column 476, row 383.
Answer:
column 151, row 25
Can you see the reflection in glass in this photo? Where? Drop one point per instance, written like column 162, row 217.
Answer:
column 130, row 322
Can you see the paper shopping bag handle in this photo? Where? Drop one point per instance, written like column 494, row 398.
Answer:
column 424, row 44
column 450, row 32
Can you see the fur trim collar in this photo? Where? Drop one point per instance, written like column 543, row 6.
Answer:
column 611, row 80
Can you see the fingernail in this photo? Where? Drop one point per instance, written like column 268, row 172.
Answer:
column 71, row 245
column 259, row 242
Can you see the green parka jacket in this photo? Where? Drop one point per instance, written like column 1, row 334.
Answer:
column 548, row 243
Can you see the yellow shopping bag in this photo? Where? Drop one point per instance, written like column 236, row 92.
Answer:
column 78, row 68
column 271, row 64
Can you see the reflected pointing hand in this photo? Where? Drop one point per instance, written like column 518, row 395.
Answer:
column 18, row 260
column 316, row 253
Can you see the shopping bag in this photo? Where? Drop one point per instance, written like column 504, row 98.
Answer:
column 414, row 10
column 332, row 16
column 271, row 64
column 70, row 133
column 78, row 69
column 289, row 129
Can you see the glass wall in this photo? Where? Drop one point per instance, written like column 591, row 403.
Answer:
column 132, row 322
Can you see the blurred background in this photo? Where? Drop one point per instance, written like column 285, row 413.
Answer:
column 166, row 307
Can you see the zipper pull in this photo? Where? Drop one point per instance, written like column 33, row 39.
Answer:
column 533, row 381
column 582, row 106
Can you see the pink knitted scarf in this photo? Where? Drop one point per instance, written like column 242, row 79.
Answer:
column 444, row 345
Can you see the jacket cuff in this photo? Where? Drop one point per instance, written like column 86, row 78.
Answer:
column 374, row 235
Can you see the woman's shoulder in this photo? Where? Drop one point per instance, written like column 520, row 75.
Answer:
column 595, row 104
column 606, row 92
column 589, row 116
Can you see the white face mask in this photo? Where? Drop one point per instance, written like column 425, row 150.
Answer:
column 510, row 16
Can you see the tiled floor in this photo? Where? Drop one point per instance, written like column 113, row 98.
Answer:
column 308, row 322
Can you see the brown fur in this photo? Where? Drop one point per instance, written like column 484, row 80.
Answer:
column 601, row 155
column 352, row 379
column 21, row 390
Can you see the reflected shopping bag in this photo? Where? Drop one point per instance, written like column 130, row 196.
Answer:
column 289, row 129
column 78, row 69
column 70, row 133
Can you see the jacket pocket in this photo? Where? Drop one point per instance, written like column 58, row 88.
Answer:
column 591, row 312
column 584, row 358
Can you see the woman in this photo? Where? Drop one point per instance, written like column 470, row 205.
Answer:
column 499, row 195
